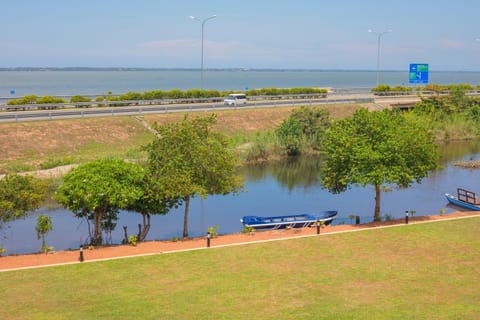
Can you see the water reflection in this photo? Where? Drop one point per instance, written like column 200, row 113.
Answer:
column 295, row 172
column 284, row 187
column 459, row 150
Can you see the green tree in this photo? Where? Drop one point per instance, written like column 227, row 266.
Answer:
column 189, row 159
column 43, row 227
column 151, row 202
column 290, row 136
column 314, row 122
column 19, row 195
column 99, row 189
column 374, row 148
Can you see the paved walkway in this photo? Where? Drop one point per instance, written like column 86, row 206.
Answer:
column 31, row 261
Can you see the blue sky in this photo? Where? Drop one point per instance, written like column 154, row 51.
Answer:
column 245, row 34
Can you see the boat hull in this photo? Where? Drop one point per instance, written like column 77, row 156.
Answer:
column 454, row 200
column 288, row 221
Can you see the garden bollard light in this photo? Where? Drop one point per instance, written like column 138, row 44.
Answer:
column 406, row 217
column 81, row 254
column 208, row 239
column 318, row 226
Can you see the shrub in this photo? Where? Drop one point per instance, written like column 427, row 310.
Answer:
column 213, row 231
column 79, row 98
column 290, row 136
column 43, row 227
column 257, row 151
column 30, row 99
column 248, row 229
column 132, row 240
column 131, row 96
column 49, row 99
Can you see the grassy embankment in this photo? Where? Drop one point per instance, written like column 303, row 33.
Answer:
column 30, row 146
column 422, row 271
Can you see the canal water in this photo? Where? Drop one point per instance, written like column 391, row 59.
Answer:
column 284, row 187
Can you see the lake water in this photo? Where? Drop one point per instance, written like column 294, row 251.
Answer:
column 285, row 187
column 67, row 83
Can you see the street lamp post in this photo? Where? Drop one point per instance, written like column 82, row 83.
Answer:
column 379, row 36
column 203, row 25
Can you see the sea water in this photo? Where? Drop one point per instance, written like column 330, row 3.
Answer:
column 101, row 82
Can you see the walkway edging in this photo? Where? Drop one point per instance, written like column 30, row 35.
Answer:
column 235, row 244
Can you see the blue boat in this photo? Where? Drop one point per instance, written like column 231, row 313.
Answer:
column 288, row 221
column 465, row 199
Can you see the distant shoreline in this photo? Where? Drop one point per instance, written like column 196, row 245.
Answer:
column 210, row 69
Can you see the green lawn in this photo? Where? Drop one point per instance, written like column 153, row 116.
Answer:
column 423, row 271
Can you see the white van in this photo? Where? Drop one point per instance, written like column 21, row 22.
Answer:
column 235, row 99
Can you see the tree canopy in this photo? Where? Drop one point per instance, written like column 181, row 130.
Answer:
column 20, row 195
column 97, row 190
column 190, row 159
column 375, row 148
column 304, row 126
column 151, row 201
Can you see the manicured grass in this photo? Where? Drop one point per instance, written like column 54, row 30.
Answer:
column 423, row 271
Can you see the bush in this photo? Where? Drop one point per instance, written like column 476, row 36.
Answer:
column 30, row 99
column 290, row 136
column 213, row 231
column 248, row 229
column 131, row 96
column 313, row 122
column 132, row 240
column 79, row 98
column 285, row 91
column 49, row 99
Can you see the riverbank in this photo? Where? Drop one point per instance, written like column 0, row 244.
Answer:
column 29, row 146
column 26, row 261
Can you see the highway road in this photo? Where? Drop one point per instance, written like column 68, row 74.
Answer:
column 14, row 116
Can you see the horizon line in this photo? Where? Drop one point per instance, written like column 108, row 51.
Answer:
column 77, row 68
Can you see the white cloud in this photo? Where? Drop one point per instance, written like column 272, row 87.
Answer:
column 453, row 44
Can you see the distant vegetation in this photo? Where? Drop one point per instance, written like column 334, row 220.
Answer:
column 452, row 117
column 384, row 89
column 33, row 99
column 171, row 94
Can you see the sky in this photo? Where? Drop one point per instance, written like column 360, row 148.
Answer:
column 278, row 34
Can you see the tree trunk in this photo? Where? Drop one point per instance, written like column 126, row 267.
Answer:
column 185, row 217
column 44, row 244
column 97, row 220
column 125, row 235
column 377, row 216
column 143, row 230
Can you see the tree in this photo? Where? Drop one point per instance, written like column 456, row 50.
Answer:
column 304, row 126
column 151, row 202
column 20, row 195
column 189, row 159
column 313, row 122
column 290, row 136
column 99, row 189
column 43, row 227
column 376, row 148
